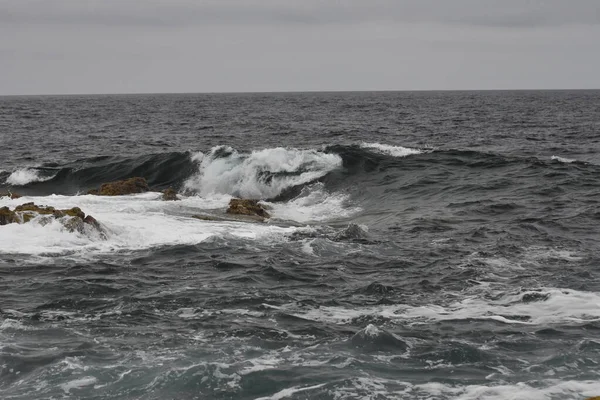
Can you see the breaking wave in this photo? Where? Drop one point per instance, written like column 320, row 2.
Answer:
column 394, row 151
column 260, row 174
column 24, row 176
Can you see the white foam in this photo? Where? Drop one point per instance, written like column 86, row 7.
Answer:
column 132, row 223
column 561, row 305
column 289, row 392
column 78, row 383
column 562, row 159
column 549, row 389
column 394, row 151
column 369, row 387
column 24, row 176
column 314, row 204
column 261, row 174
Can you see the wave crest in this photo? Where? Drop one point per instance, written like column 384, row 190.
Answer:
column 262, row 174
column 24, row 176
column 394, row 151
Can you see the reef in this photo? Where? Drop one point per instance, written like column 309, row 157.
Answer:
column 169, row 194
column 73, row 219
column 247, row 207
column 10, row 195
column 120, row 188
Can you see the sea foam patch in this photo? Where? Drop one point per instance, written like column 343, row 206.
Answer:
column 544, row 306
column 314, row 204
column 131, row 223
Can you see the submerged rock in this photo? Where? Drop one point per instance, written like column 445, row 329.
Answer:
column 120, row 188
column 169, row 194
column 247, row 207
column 10, row 195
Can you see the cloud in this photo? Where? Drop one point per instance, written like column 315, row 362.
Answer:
column 120, row 46
column 178, row 13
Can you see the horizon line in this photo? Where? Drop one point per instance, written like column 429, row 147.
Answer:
column 301, row 91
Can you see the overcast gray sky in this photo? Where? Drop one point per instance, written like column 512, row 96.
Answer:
column 133, row 46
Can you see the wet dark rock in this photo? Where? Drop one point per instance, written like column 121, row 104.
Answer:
column 169, row 194
column 74, row 224
column 73, row 219
column 120, row 188
column 7, row 216
column 10, row 195
column 91, row 220
column 247, row 207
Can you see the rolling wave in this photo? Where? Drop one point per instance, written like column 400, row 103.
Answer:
column 260, row 174
column 278, row 174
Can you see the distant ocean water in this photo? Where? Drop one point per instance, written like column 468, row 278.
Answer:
column 422, row 245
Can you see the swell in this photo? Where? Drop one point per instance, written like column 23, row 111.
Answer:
column 361, row 166
column 160, row 170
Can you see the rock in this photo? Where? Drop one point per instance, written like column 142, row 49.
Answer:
column 90, row 220
column 74, row 224
column 10, row 195
column 169, row 194
column 120, row 188
column 7, row 216
column 75, row 212
column 95, row 224
column 247, row 207
column 73, row 219
column 26, row 212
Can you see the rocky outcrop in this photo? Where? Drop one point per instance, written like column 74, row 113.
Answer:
column 120, row 188
column 73, row 219
column 7, row 216
column 169, row 194
column 247, row 207
column 30, row 210
column 10, row 195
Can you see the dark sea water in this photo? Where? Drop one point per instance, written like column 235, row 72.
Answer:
column 427, row 245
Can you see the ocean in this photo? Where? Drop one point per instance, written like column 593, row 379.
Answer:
column 421, row 245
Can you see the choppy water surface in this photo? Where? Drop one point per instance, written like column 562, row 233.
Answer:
column 421, row 246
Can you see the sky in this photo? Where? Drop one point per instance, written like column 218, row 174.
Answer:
column 173, row 46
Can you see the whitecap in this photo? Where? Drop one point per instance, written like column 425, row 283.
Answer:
column 554, row 306
column 314, row 204
column 78, row 383
column 394, row 151
column 261, row 174
column 25, row 176
column 290, row 391
column 562, row 159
